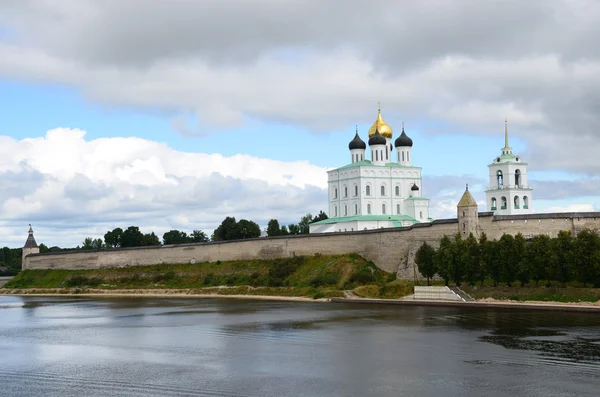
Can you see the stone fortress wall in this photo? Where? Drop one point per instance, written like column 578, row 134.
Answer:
column 390, row 249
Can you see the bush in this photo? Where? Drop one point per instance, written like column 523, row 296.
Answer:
column 325, row 279
column 208, row 279
column 319, row 295
column 82, row 281
column 391, row 277
column 363, row 276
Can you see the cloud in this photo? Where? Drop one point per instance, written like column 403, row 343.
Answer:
column 63, row 182
column 572, row 208
column 209, row 64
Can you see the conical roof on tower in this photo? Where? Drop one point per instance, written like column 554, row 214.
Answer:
column 30, row 243
column 467, row 199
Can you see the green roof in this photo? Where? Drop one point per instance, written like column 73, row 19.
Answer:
column 392, row 218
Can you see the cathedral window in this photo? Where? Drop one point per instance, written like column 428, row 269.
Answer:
column 421, row 215
column 493, row 203
column 398, row 209
column 335, row 193
column 345, row 191
column 503, row 203
column 517, row 178
column 368, row 190
column 345, row 210
column 387, row 153
column 376, row 155
column 383, row 209
column 397, row 190
column 516, row 200
column 369, row 209
column 525, row 202
column 335, row 211
column 402, row 155
column 355, row 209
column 407, row 156
column 383, row 190
column 355, row 190
column 499, row 178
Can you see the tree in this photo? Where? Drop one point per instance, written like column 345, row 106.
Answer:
column 561, row 269
column 247, row 229
column 586, row 253
column 538, row 255
column 198, row 236
column 273, row 228
column 473, row 261
column 226, row 230
column 150, row 239
column 425, row 262
column 304, row 222
column 321, row 217
column 523, row 271
column 492, row 261
column 483, row 243
column 284, row 231
column 458, row 256
column 175, row 237
column 43, row 248
column 507, row 258
column 294, row 229
column 442, row 259
column 90, row 243
column 132, row 237
column 112, row 238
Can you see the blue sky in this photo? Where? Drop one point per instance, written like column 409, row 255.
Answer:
column 180, row 124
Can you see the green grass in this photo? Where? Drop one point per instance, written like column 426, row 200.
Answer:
column 544, row 294
column 392, row 290
column 312, row 276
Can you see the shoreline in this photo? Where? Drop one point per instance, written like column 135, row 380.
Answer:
column 590, row 307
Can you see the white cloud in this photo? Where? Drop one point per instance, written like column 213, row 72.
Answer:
column 571, row 208
column 61, row 181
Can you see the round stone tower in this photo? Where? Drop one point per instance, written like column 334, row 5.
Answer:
column 467, row 215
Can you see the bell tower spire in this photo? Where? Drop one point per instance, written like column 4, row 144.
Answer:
column 506, row 149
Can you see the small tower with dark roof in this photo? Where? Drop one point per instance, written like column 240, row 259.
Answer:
column 403, row 146
column 467, row 215
column 30, row 246
column 357, row 148
column 378, row 145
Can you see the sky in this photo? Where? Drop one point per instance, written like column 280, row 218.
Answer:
column 173, row 114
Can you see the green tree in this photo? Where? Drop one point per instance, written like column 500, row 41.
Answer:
column 538, row 255
column 472, row 260
column 424, row 260
column 175, row 237
column 587, row 256
column 43, row 248
column 90, row 243
column 150, row 239
column 284, row 231
column 304, row 222
column 507, row 258
column 443, row 259
column 247, row 229
column 132, row 237
column 493, row 263
column 226, row 230
column 483, row 243
column 294, row 229
column 198, row 236
column 273, row 228
column 112, row 239
column 457, row 263
column 321, row 217
column 561, row 268
column 523, row 270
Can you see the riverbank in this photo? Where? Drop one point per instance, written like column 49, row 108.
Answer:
column 228, row 293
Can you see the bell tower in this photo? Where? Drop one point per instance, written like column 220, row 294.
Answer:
column 508, row 192
column 30, row 246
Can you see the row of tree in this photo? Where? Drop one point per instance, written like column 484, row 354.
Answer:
column 563, row 259
column 229, row 229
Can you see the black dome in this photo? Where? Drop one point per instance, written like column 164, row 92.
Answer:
column 357, row 143
column 414, row 188
column 403, row 140
column 377, row 139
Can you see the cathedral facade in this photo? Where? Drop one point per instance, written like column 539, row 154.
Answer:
column 381, row 191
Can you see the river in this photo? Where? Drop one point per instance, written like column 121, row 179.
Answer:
column 203, row 347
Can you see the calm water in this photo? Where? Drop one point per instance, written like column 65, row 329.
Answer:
column 141, row 347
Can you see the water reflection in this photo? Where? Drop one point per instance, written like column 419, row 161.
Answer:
column 130, row 347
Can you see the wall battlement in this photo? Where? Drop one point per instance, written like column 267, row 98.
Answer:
column 390, row 249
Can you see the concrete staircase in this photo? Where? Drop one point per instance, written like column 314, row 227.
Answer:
column 435, row 293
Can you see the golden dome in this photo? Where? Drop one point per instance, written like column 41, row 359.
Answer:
column 381, row 126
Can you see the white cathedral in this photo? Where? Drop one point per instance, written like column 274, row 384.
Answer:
column 380, row 193
column 375, row 193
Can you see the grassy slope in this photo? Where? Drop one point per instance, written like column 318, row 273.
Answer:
column 315, row 276
column 545, row 294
